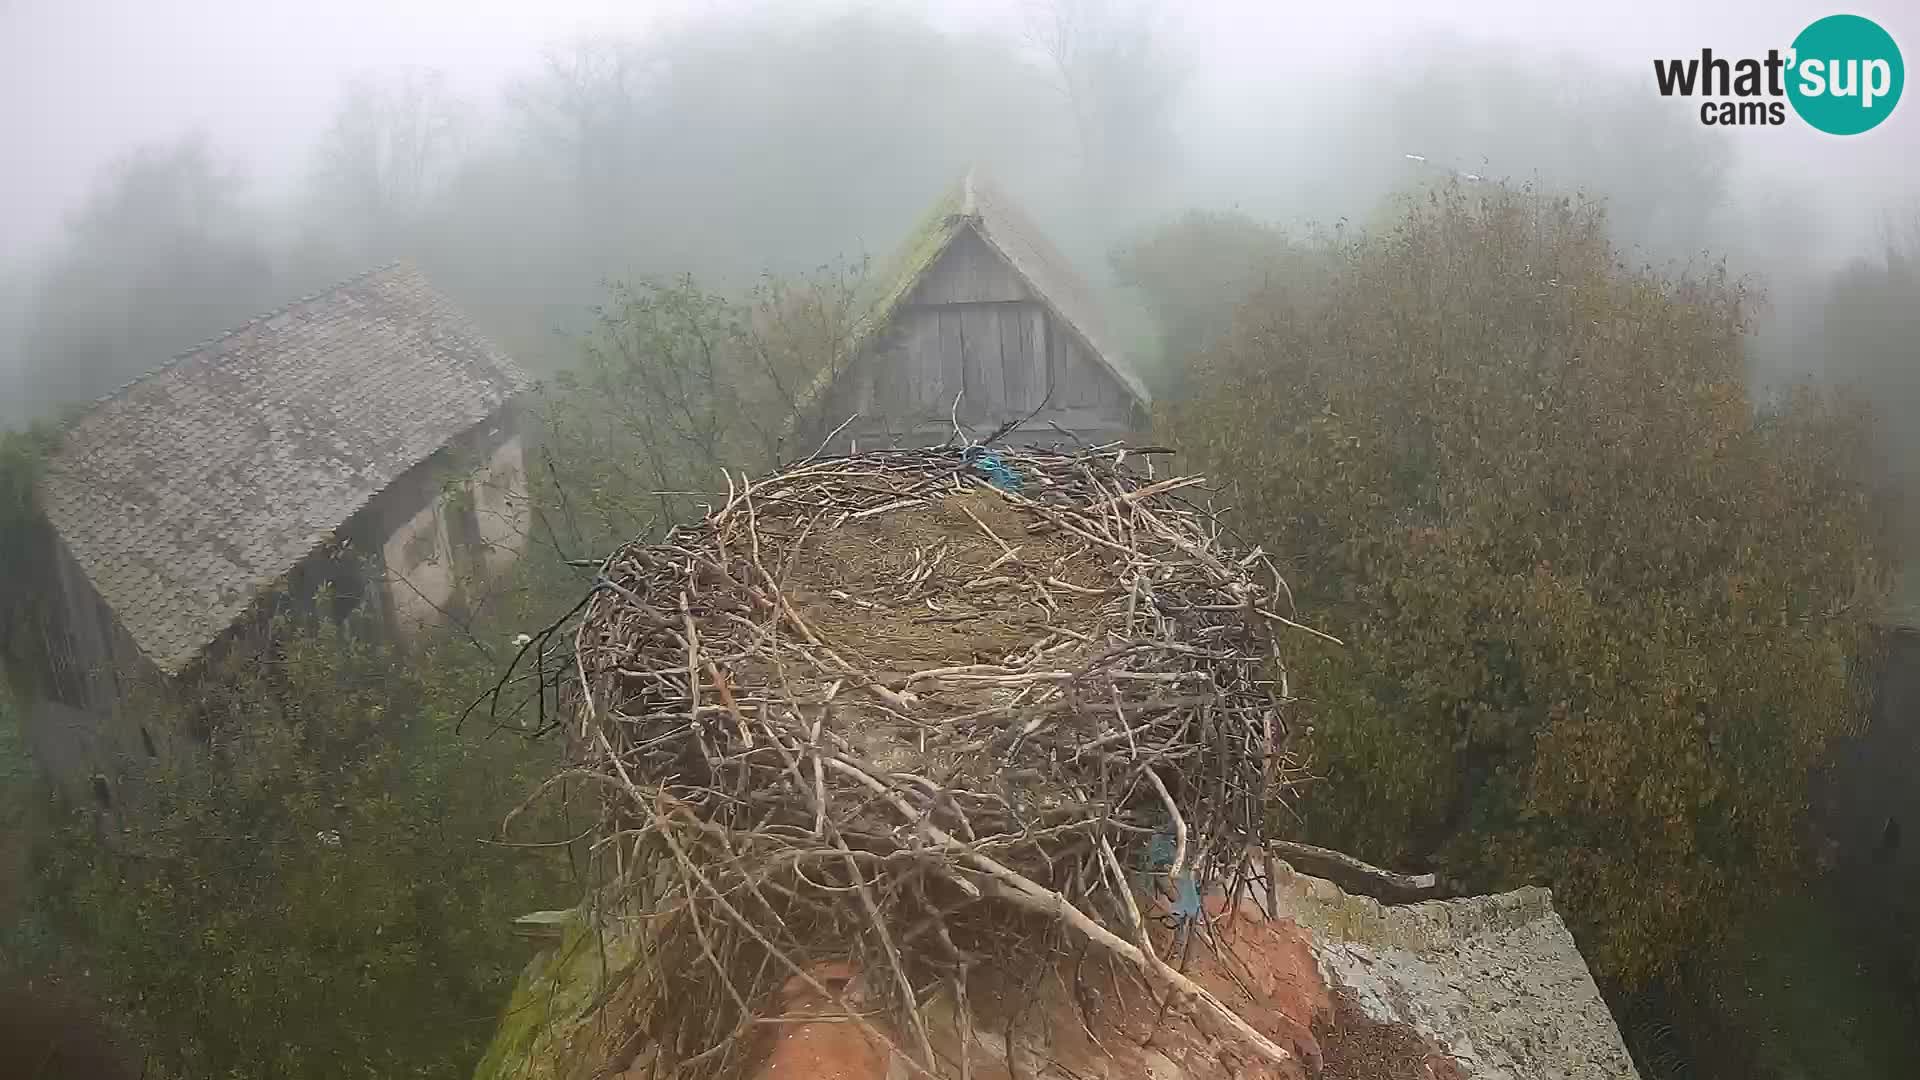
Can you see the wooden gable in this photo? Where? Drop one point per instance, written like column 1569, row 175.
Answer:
column 973, row 327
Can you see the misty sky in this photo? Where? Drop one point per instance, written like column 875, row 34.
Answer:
column 82, row 81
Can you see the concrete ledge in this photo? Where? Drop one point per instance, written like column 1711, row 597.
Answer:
column 1422, row 927
column 1496, row 981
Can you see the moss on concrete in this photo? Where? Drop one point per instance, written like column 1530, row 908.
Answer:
column 543, row 1033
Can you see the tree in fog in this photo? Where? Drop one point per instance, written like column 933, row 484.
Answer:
column 1603, row 615
column 1570, row 126
column 1195, row 271
column 1493, row 111
column 385, row 159
column 14, row 407
column 1870, row 339
column 161, row 256
column 1111, row 62
column 583, row 107
column 677, row 384
column 728, row 146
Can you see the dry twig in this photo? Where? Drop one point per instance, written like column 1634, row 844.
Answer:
column 948, row 807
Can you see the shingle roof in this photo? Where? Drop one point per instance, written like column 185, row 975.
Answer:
column 192, row 489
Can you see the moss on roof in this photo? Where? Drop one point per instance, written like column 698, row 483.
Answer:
column 896, row 279
column 973, row 202
column 945, row 218
column 187, row 493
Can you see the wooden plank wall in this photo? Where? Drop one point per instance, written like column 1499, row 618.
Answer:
column 969, row 272
column 1081, row 381
column 972, row 323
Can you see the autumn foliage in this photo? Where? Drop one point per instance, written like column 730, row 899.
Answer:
column 1603, row 611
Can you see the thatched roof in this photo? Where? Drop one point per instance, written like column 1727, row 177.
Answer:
column 191, row 490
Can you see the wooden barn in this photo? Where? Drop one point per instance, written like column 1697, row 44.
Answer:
column 980, row 319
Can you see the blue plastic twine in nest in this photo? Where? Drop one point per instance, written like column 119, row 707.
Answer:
column 994, row 468
column 1160, row 853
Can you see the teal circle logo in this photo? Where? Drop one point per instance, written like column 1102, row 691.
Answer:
column 1847, row 74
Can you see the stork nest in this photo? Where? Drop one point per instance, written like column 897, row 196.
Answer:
column 878, row 714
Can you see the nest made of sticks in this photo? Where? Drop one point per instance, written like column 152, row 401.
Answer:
column 911, row 711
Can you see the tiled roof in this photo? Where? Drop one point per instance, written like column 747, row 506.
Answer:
column 189, row 491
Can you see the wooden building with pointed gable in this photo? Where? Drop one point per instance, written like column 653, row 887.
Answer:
column 980, row 318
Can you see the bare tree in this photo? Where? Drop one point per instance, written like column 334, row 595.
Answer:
column 585, row 106
column 1112, row 64
column 389, row 153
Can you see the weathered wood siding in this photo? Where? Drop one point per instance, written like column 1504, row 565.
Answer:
column 80, row 719
column 972, row 327
column 969, row 272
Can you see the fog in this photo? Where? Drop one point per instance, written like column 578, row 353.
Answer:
column 170, row 169
column 174, row 167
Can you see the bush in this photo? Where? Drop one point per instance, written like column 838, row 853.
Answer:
column 25, row 549
column 20, row 796
column 309, row 891
column 1870, row 320
column 1602, row 613
column 311, row 894
column 677, row 383
column 1192, row 272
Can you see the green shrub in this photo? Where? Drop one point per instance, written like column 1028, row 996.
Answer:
column 1192, row 273
column 1602, row 613
column 25, row 551
column 1869, row 322
column 20, row 796
column 310, row 893
column 676, row 383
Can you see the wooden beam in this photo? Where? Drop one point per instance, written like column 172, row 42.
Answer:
column 1355, row 876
